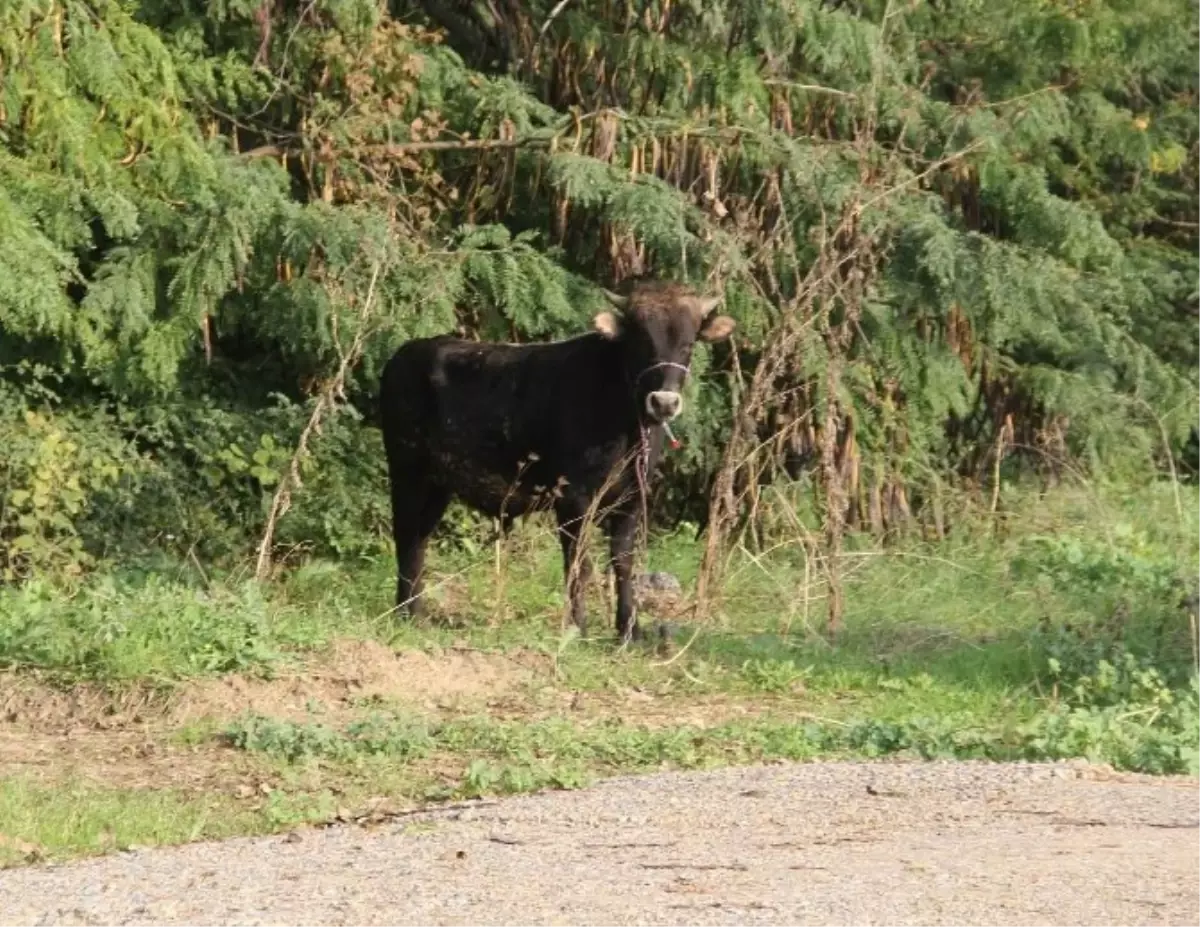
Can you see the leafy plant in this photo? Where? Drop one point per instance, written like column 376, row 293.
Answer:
column 48, row 484
column 376, row 736
column 772, row 675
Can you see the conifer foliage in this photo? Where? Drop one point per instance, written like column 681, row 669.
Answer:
column 960, row 238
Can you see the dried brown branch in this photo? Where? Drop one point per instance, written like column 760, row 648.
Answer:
column 331, row 394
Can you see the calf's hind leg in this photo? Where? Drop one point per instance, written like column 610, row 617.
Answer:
column 576, row 564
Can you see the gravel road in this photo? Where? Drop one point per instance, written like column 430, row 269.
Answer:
column 851, row 843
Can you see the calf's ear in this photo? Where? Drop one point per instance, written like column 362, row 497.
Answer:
column 718, row 328
column 607, row 324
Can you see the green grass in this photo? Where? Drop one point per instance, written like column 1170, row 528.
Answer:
column 1054, row 632
column 962, row 611
column 38, row 821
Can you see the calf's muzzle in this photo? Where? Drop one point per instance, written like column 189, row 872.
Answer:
column 663, row 405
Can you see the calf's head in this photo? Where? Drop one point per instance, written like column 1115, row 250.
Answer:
column 657, row 326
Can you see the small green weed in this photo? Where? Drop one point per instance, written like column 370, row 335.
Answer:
column 772, row 675
column 482, row 777
column 288, row 809
column 292, row 742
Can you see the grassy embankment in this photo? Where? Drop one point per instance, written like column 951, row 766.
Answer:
column 158, row 707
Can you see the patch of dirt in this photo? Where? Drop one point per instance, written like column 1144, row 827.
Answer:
column 123, row 735
column 28, row 702
column 342, row 680
column 353, row 674
column 640, row 706
column 127, row 735
column 129, row 759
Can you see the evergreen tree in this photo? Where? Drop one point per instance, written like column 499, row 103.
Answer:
column 956, row 236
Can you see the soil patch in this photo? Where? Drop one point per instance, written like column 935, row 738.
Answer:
column 130, row 735
column 124, row 735
column 340, row 680
column 641, row 706
column 125, row 758
column 354, row 674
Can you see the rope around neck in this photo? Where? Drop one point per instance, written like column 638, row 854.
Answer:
column 686, row 370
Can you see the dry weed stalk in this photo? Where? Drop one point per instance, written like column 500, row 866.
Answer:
column 333, row 392
column 827, row 304
column 580, row 568
column 832, row 288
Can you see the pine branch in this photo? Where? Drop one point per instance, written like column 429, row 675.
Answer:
column 395, row 149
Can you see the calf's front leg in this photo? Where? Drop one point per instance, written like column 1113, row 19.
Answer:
column 622, row 534
column 576, row 564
